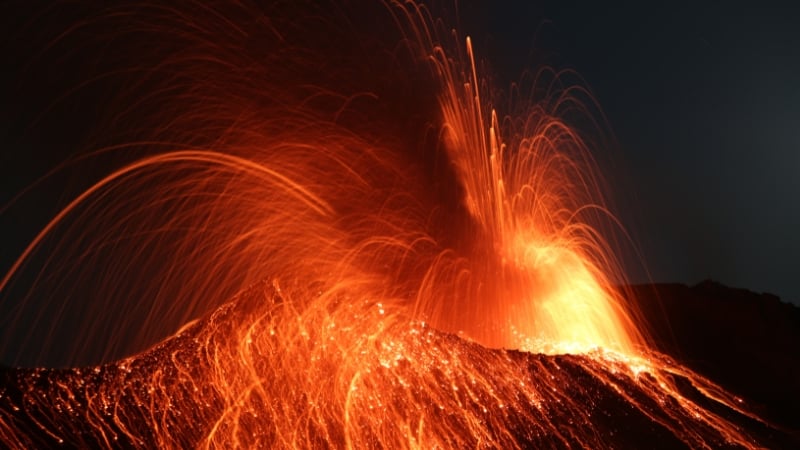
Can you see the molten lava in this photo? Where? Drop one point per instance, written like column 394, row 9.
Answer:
column 369, row 313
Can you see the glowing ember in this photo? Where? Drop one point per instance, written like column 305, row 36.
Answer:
column 351, row 274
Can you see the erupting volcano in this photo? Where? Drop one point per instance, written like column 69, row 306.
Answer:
column 319, row 233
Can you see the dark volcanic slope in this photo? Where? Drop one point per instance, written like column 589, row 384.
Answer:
column 729, row 335
column 747, row 342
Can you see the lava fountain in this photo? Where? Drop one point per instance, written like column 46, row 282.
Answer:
column 403, row 276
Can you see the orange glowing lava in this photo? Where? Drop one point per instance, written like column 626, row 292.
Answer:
column 540, row 282
column 367, row 312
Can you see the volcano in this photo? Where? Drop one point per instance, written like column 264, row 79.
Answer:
column 163, row 397
column 361, row 242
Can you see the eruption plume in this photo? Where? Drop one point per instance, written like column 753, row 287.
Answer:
column 406, row 265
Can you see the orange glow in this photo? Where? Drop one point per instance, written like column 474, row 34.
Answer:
column 363, row 315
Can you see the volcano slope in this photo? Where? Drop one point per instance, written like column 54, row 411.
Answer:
column 748, row 342
column 424, row 387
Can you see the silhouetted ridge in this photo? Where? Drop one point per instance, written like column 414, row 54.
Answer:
column 746, row 341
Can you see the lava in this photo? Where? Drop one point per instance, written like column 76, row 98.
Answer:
column 447, row 290
column 373, row 379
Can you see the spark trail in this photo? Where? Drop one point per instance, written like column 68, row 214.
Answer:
column 375, row 279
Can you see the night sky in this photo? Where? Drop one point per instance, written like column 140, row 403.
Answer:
column 705, row 102
column 703, row 99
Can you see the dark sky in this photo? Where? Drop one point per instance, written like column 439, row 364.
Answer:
column 702, row 97
column 704, row 101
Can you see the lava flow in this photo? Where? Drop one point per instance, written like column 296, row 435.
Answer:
column 439, row 282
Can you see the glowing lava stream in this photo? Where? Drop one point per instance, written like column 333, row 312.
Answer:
column 348, row 287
